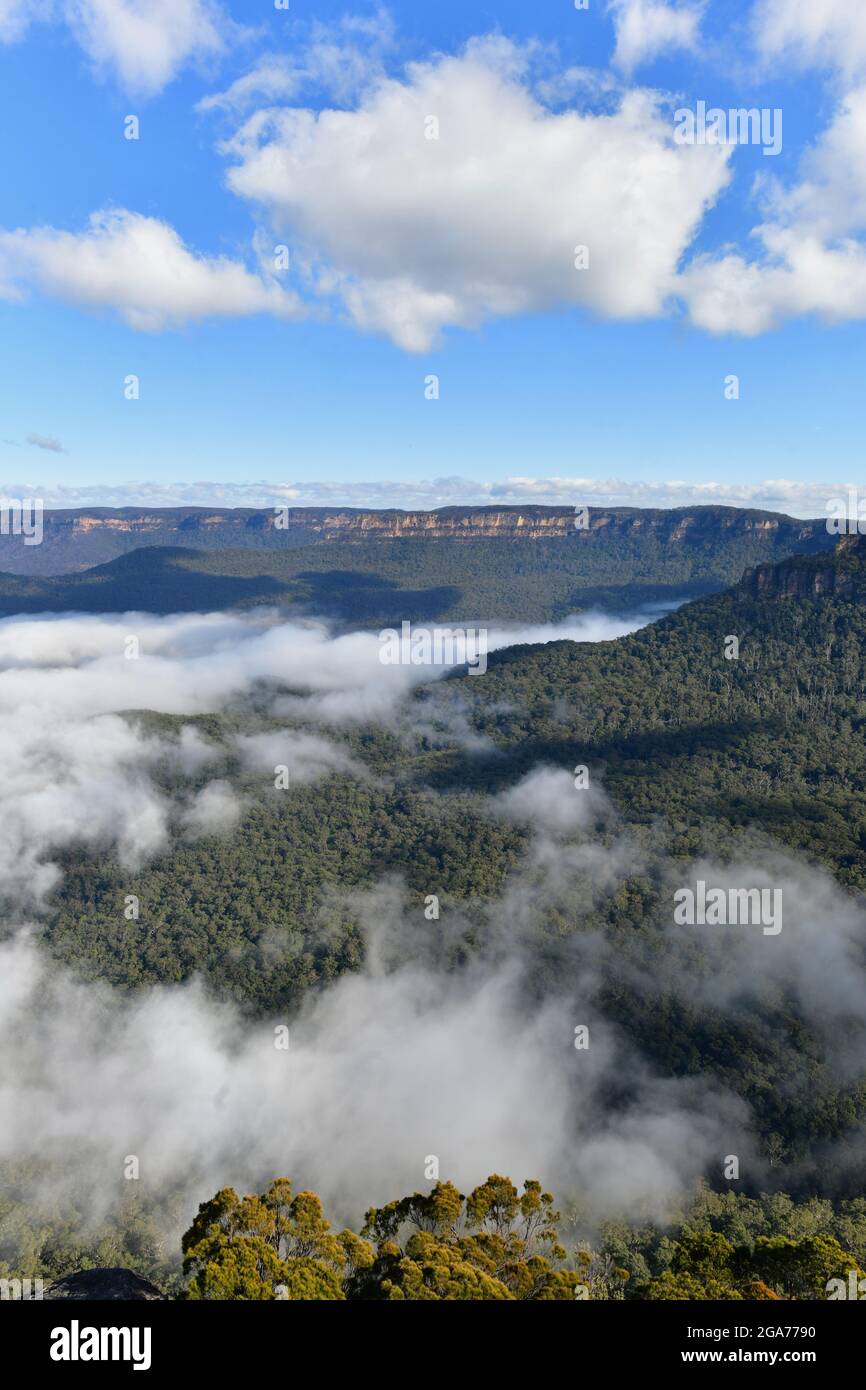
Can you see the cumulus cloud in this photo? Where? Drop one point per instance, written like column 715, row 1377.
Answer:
column 395, row 231
column 400, row 229
column 811, row 255
column 813, row 258
column 144, row 46
column 823, row 33
column 647, row 28
column 140, row 267
column 729, row 294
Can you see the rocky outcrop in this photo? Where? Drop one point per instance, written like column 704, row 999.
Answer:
column 103, row 1284
column 840, row 573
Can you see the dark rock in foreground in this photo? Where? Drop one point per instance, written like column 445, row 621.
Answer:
column 102, row 1284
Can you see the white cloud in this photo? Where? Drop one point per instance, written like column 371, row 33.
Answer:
column 813, row 33
column 16, row 16
column 548, row 800
column 341, row 59
column 478, row 1078
column 729, row 294
column 400, row 234
column 646, row 28
column 140, row 267
column 411, row 238
column 271, row 77
column 145, row 43
column 796, row 498
column 88, row 1074
column 73, row 781
column 307, row 756
column 76, row 772
column 812, row 258
column 214, row 810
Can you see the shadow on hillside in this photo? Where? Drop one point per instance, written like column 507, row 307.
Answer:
column 498, row 771
column 628, row 598
column 151, row 580
column 173, row 580
column 359, row 597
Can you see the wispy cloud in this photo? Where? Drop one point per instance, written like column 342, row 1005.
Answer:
column 47, row 442
column 338, row 60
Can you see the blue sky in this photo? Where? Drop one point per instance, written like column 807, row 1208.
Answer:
column 411, row 256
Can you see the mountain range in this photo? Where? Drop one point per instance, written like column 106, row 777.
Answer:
column 376, row 568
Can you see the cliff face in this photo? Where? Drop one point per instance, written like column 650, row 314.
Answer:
column 461, row 523
column 841, row 573
column 80, row 539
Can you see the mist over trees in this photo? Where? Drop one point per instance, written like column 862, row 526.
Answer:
column 309, row 905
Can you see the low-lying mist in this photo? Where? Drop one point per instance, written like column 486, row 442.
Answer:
column 410, row 1058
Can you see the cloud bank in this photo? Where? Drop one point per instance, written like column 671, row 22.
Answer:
column 382, row 1071
column 793, row 497
column 80, row 771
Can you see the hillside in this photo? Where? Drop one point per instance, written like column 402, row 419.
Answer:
column 774, row 739
column 378, row 568
column 699, row 755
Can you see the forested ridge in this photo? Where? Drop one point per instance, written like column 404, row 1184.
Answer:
column 706, row 745
column 638, row 558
